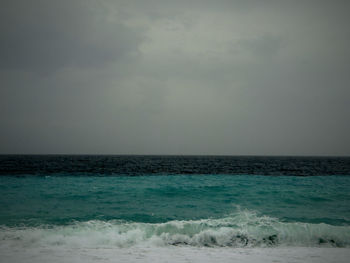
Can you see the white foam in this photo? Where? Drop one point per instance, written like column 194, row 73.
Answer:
column 175, row 254
column 244, row 229
column 241, row 237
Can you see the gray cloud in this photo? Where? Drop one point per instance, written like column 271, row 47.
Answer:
column 175, row 77
column 48, row 35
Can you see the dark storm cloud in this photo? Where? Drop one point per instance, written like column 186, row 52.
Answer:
column 48, row 35
column 175, row 77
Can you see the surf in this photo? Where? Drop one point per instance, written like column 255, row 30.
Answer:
column 240, row 229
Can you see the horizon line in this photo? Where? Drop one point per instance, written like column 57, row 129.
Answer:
column 185, row 155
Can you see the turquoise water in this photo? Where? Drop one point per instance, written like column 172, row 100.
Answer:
column 209, row 210
column 154, row 199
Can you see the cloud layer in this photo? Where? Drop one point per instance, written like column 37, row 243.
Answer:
column 175, row 77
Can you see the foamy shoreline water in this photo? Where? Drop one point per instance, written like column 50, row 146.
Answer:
column 175, row 254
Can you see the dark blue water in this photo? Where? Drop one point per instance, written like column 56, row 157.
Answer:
column 141, row 165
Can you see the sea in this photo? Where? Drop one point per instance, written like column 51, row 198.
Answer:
column 129, row 208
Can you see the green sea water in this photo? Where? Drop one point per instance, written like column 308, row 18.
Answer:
column 209, row 210
column 154, row 199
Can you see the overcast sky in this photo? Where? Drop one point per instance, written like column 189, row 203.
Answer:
column 175, row 77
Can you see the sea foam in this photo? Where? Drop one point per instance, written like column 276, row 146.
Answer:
column 241, row 229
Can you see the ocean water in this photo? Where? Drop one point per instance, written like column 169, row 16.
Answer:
column 102, row 202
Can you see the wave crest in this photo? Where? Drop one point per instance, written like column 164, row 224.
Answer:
column 241, row 229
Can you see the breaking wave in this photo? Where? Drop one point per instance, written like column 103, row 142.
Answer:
column 241, row 229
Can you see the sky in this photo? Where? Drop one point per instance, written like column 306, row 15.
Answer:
column 175, row 77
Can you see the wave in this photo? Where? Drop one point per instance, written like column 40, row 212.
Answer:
column 241, row 229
